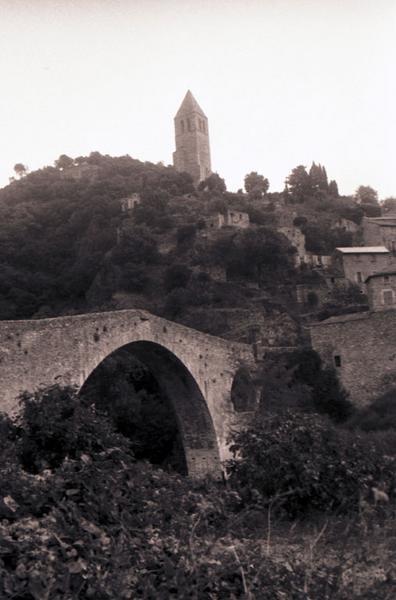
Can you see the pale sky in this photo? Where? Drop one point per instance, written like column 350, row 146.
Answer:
column 282, row 82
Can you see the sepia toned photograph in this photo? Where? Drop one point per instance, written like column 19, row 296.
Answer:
column 197, row 300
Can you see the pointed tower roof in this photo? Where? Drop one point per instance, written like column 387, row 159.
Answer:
column 189, row 105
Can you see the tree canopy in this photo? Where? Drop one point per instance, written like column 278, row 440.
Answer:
column 366, row 195
column 256, row 185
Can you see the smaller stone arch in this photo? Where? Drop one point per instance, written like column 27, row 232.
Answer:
column 243, row 391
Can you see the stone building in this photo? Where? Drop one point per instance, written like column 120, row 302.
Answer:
column 381, row 290
column 362, row 346
column 380, row 230
column 358, row 262
column 318, row 261
column 231, row 218
column 192, row 153
column 130, row 202
column 236, row 218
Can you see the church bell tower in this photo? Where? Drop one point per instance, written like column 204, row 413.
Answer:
column 192, row 140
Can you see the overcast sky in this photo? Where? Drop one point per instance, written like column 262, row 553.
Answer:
column 282, row 82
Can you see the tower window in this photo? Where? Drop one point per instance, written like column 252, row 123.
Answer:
column 203, row 126
column 337, row 360
column 188, row 124
column 182, row 126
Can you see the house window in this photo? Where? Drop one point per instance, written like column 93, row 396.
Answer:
column 337, row 360
column 386, row 278
column 359, row 278
column 387, row 297
column 393, row 245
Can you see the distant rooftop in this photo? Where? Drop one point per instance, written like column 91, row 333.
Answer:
column 364, row 250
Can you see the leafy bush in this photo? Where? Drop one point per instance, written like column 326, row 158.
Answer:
column 102, row 526
column 54, row 425
column 299, row 462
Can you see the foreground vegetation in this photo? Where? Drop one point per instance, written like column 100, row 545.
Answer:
column 80, row 518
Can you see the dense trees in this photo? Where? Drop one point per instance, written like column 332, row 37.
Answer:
column 56, row 231
column 366, row 195
column 333, row 189
column 255, row 254
column 256, row 185
column 303, row 185
column 299, row 184
column 64, row 161
column 318, row 177
column 321, row 239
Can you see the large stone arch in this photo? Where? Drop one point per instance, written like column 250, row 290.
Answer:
column 194, row 421
column 65, row 350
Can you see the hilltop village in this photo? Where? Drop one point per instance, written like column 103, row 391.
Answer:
column 265, row 268
column 112, row 471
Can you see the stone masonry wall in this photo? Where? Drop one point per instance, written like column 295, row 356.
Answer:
column 366, row 346
column 376, row 233
column 381, row 292
column 365, row 264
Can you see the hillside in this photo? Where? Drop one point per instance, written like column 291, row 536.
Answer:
column 70, row 243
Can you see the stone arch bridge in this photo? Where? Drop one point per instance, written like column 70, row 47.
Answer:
column 199, row 373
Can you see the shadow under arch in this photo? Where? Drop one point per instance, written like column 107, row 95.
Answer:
column 194, row 421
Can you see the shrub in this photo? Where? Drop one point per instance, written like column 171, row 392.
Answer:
column 55, row 425
column 299, row 462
